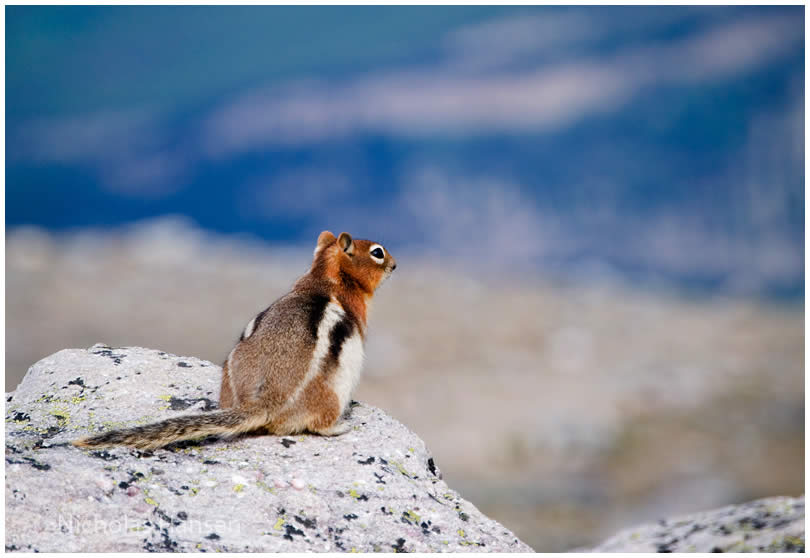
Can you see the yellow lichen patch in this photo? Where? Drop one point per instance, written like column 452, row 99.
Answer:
column 400, row 468
column 279, row 523
column 413, row 516
column 238, row 487
column 165, row 397
column 62, row 415
column 463, row 534
column 150, row 501
column 786, row 544
column 47, row 398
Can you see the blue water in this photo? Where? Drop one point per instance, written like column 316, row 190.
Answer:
column 678, row 147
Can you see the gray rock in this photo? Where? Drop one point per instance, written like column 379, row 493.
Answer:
column 768, row 525
column 375, row 488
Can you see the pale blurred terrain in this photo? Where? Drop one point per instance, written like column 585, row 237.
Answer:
column 564, row 411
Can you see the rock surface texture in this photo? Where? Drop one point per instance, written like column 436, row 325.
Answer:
column 768, row 525
column 375, row 488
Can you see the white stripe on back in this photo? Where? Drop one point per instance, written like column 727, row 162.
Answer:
column 249, row 328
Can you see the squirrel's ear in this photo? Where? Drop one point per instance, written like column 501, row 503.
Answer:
column 345, row 243
column 324, row 239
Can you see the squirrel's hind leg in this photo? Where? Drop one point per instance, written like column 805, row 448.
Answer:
column 323, row 409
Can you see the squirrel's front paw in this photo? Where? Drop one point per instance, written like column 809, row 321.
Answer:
column 336, row 429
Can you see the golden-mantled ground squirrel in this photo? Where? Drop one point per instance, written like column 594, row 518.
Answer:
column 296, row 363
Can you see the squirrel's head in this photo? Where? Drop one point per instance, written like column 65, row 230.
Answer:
column 352, row 262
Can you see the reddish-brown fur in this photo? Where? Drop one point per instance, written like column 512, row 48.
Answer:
column 342, row 270
column 332, row 264
column 271, row 363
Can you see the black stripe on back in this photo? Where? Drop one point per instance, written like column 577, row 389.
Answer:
column 342, row 331
column 258, row 319
column 316, row 308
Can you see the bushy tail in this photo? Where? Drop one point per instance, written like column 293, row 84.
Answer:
column 155, row 435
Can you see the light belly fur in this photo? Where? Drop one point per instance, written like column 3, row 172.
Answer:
column 350, row 364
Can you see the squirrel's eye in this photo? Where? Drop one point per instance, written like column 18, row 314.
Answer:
column 378, row 253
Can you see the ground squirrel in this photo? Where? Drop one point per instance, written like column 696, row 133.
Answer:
column 296, row 363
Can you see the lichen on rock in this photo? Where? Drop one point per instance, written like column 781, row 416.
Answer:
column 375, row 488
column 767, row 525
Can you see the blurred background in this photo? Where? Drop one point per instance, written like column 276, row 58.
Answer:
column 598, row 214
